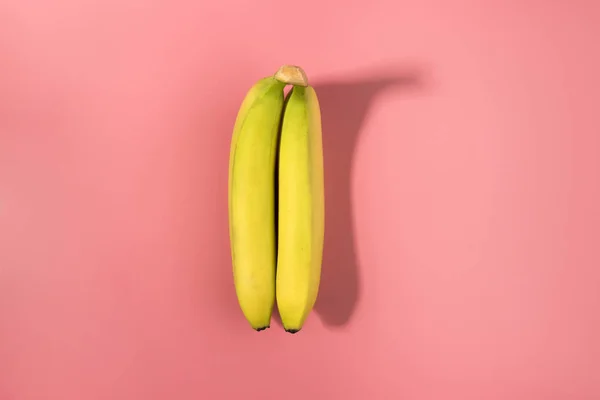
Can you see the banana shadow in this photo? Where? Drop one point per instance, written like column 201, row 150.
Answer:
column 344, row 107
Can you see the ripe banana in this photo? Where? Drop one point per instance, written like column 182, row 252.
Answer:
column 301, row 208
column 252, row 208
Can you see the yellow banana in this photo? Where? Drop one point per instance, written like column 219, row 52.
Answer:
column 252, row 212
column 301, row 208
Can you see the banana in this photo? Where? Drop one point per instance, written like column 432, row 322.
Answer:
column 252, row 208
column 301, row 208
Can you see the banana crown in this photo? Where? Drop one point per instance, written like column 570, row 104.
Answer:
column 291, row 75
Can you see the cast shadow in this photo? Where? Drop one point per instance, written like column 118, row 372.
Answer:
column 344, row 106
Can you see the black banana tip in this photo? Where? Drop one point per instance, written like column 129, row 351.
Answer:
column 262, row 328
column 292, row 331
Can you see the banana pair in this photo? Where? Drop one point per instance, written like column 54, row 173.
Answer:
column 276, row 200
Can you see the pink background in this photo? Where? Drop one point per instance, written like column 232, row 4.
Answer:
column 462, row 146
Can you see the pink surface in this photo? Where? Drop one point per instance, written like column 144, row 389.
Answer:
column 462, row 145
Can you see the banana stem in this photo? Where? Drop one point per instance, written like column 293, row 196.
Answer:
column 292, row 75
